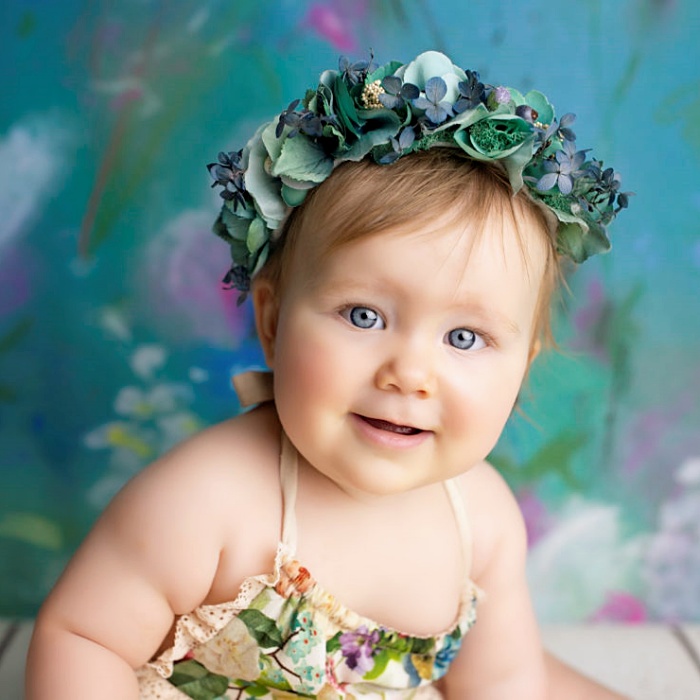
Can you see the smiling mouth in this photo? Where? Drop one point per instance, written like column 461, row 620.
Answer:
column 391, row 427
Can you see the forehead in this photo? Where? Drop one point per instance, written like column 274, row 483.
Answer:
column 433, row 269
column 512, row 239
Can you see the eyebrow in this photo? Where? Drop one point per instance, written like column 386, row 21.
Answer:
column 489, row 315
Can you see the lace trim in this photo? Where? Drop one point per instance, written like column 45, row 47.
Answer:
column 198, row 627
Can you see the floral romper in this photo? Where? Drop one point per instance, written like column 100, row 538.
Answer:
column 285, row 637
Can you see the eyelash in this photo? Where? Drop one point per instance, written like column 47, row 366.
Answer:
column 347, row 313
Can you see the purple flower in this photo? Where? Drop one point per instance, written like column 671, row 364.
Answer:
column 497, row 97
column 358, row 648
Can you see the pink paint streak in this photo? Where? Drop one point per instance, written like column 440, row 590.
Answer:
column 331, row 24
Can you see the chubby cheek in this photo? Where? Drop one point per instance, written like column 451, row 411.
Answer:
column 482, row 403
column 304, row 370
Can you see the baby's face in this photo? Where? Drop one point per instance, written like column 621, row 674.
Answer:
column 398, row 358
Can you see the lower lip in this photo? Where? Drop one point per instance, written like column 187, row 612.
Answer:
column 386, row 438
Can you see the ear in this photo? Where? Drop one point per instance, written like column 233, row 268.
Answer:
column 266, row 307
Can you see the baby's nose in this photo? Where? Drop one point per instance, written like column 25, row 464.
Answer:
column 409, row 370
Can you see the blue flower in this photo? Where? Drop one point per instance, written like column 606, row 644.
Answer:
column 399, row 146
column 436, row 111
column 229, row 174
column 355, row 73
column 564, row 123
column 563, row 169
column 471, row 93
column 304, row 121
column 396, row 92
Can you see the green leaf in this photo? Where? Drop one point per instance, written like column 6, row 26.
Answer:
column 422, row 646
column 196, row 681
column 263, row 628
column 302, row 159
column 466, row 118
column 264, row 188
column 573, row 240
column 381, row 72
column 381, row 661
column 254, row 690
column 292, row 196
column 257, row 235
column 345, row 106
column 263, row 254
column 384, row 125
column 231, row 227
column 333, row 644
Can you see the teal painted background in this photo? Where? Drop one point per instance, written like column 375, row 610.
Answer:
column 116, row 340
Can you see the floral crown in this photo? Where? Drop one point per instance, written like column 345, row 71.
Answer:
column 388, row 112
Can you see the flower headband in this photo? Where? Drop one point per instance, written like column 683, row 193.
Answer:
column 388, row 112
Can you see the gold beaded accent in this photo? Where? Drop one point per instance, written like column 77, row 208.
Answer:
column 370, row 95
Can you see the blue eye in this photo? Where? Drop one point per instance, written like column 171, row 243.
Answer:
column 464, row 339
column 363, row 317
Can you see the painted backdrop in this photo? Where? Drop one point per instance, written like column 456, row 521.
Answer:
column 117, row 340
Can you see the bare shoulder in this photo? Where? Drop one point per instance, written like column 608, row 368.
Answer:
column 197, row 503
column 496, row 519
column 243, row 451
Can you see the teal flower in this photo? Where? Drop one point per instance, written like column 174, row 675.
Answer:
column 433, row 64
column 503, row 137
column 306, row 637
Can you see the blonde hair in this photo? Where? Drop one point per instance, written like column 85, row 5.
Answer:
column 362, row 199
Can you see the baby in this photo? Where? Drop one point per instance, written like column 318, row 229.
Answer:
column 400, row 233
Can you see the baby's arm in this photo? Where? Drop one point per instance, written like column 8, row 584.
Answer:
column 150, row 556
column 502, row 656
column 566, row 682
